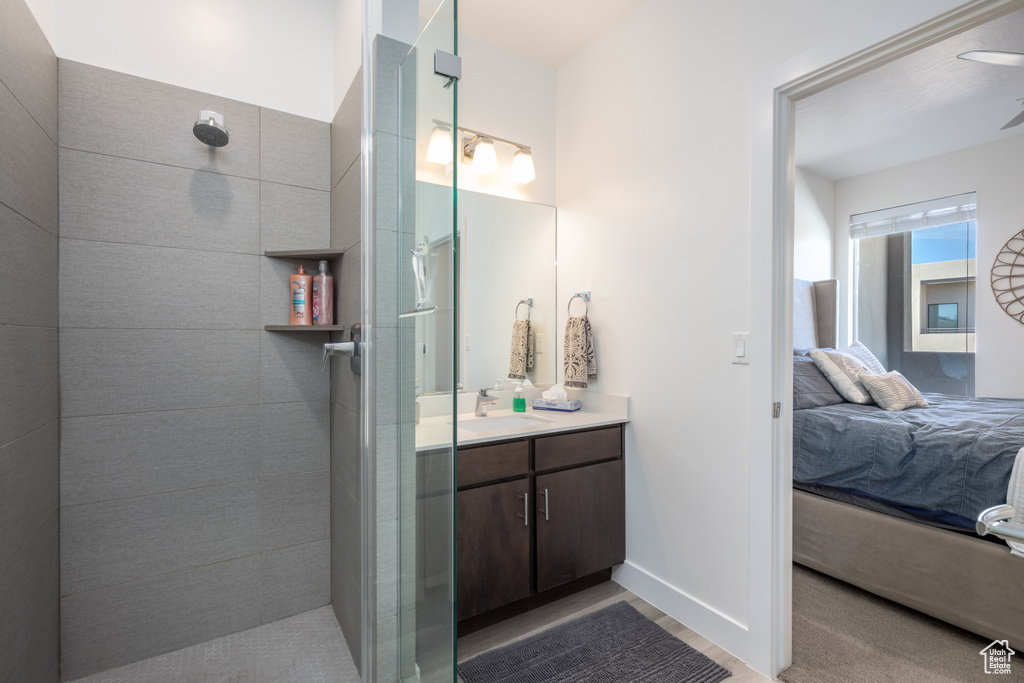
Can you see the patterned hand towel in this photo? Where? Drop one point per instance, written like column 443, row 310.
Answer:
column 521, row 358
column 580, row 364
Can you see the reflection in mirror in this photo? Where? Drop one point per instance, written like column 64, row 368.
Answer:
column 506, row 253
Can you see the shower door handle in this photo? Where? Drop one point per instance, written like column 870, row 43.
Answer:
column 419, row 271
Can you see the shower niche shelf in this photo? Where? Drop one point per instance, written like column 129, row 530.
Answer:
column 332, row 255
column 304, row 328
column 306, row 254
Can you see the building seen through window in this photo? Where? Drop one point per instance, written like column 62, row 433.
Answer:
column 914, row 291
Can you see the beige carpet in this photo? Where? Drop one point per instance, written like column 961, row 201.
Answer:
column 842, row 634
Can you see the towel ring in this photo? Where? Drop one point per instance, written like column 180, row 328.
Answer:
column 529, row 307
column 586, row 301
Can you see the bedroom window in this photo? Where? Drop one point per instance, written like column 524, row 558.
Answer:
column 914, row 290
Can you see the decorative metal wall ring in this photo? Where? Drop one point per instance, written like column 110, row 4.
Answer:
column 1008, row 277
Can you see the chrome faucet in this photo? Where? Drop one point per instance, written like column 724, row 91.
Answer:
column 482, row 401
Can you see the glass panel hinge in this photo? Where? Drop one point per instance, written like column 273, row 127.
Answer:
column 449, row 65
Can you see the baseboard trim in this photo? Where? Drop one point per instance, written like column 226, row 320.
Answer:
column 721, row 629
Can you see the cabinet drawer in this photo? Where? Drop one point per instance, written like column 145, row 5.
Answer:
column 492, row 463
column 578, row 448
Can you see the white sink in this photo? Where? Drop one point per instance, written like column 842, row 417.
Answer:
column 488, row 424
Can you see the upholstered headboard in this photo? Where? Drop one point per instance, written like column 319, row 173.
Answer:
column 815, row 306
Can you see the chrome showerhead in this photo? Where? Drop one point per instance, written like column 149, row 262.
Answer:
column 210, row 129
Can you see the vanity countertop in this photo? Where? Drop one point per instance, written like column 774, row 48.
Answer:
column 434, row 432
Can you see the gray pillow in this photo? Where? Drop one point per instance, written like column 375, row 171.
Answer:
column 844, row 373
column 892, row 391
column 864, row 355
column 811, row 389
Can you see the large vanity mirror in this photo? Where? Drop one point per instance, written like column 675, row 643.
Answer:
column 505, row 255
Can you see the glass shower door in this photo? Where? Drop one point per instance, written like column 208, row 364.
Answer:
column 428, row 267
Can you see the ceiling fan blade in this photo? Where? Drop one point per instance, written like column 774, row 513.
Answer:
column 994, row 57
column 1015, row 121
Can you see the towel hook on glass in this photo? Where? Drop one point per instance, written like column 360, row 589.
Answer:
column 529, row 307
column 585, row 295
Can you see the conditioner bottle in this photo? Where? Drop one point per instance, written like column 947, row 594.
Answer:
column 323, row 297
column 300, row 286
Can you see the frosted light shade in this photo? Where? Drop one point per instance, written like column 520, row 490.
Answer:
column 485, row 159
column 522, row 167
column 439, row 149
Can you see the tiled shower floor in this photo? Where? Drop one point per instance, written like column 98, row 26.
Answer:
column 301, row 649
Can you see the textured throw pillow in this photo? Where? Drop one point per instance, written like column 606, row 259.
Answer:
column 844, row 373
column 892, row 391
column 864, row 355
column 811, row 389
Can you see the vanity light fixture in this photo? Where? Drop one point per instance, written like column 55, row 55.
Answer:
column 439, row 149
column 478, row 150
column 522, row 166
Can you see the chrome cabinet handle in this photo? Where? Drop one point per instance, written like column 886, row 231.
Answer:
column 526, row 509
column 546, row 499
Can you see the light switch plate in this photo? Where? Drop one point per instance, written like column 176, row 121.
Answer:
column 739, row 350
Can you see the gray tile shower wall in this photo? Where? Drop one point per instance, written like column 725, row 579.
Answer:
column 394, row 508
column 29, row 381
column 195, row 446
column 346, row 529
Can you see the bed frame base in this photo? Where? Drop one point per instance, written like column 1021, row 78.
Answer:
column 965, row 581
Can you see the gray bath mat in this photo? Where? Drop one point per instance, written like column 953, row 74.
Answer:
column 614, row 645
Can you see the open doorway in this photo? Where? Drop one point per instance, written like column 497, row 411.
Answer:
column 893, row 170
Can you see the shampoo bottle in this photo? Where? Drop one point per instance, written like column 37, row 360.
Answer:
column 323, row 297
column 300, row 286
column 519, row 399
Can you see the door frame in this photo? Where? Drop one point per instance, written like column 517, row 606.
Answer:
column 909, row 26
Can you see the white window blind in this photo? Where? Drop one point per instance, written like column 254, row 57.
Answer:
column 960, row 208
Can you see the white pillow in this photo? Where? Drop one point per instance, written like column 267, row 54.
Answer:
column 844, row 372
column 892, row 391
column 864, row 355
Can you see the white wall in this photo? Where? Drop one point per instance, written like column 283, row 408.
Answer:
column 266, row 52
column 994, row 172
column 814, row 211
column 42, row 10
column 654, row 182
column 348, row 54
column 503, row 94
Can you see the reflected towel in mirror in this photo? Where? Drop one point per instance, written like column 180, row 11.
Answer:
column 580, row 362
column 521, row 359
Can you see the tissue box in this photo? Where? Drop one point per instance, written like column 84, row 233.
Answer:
column 561, row 406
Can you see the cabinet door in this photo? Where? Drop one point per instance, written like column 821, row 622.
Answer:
column 494, row 547
column 584, row 528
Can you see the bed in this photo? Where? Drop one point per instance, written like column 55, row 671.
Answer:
column 868, row 509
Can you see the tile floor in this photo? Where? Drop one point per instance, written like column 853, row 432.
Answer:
column 306, row 648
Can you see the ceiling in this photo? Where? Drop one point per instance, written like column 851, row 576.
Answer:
column 547, row 31
column 922, row 105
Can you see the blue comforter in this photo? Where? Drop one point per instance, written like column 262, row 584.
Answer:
column 949, row 460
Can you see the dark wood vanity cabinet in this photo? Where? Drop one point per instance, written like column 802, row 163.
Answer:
column 537, row 513
column 494, row 547
column 581, row 522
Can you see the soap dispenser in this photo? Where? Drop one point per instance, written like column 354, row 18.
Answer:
column 519, row 400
